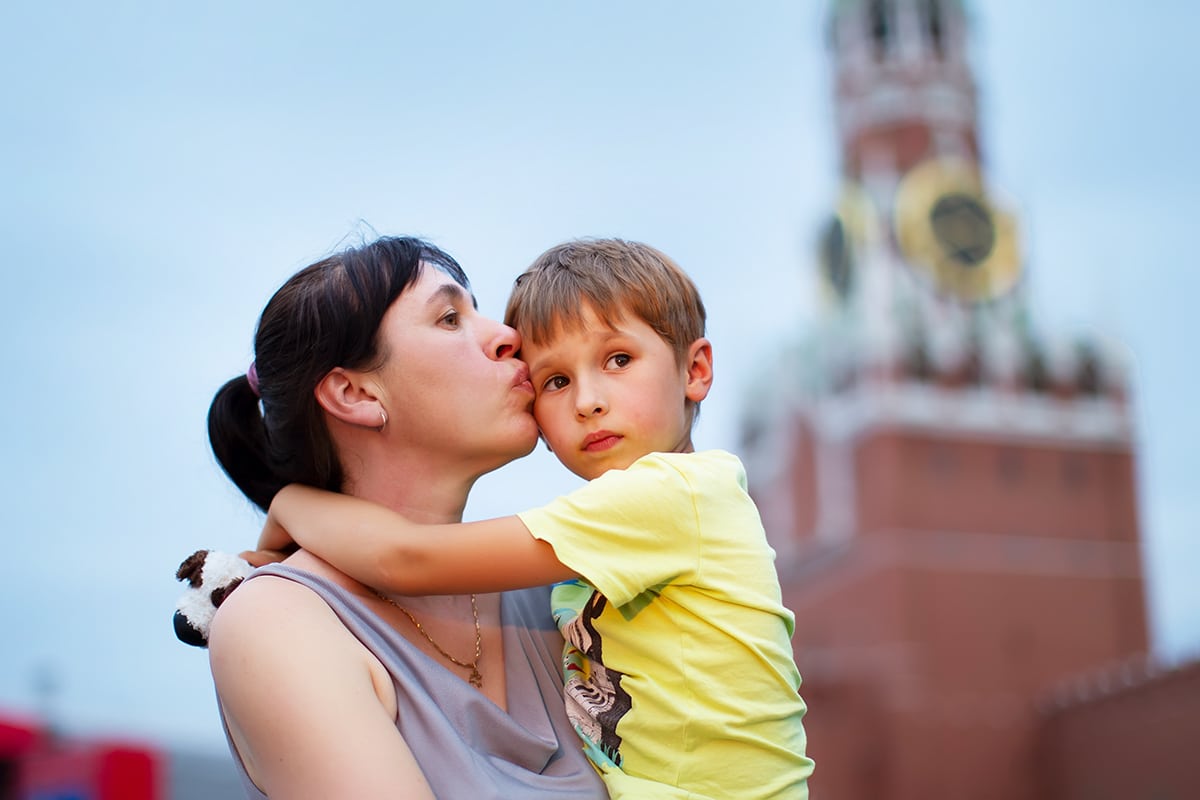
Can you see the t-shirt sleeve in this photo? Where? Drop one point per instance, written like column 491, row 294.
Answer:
column 626, row 532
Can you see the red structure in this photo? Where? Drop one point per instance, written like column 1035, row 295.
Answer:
column 17, row 737
column 37, row 766
column 1127, row 732
column 951, row 493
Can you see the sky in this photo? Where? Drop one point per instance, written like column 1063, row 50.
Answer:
column 165, row 166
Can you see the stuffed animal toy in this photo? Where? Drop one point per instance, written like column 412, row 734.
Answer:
column 211, row 576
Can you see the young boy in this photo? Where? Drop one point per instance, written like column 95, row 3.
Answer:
column 679, row 671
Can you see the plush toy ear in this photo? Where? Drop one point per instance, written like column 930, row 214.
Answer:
column 211, row 576
column 191, row 570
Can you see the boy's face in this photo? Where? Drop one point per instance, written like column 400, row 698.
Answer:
column 608, row 396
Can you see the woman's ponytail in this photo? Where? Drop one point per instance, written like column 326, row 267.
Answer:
column 238, row 436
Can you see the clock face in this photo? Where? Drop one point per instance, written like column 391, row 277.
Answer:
column 952, row 235
column 964, row 228
column 844, row 237
column 837, row 260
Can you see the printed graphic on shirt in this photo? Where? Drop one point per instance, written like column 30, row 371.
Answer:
column 594, row 698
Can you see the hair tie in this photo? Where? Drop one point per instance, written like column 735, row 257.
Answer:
column 252, row 378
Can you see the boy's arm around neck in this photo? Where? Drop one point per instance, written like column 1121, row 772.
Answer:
column 384, row 550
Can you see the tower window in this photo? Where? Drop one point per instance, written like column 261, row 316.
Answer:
column 932, row 11
column 943, row 461
column 880, row 28
column 1088, row 378
column 1074, row 471
column 1009, row 465
column 1037, row 375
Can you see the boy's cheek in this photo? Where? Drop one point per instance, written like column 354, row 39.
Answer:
column 549, row 440
column 543, row 413
column 539, row 418
column 554, row 443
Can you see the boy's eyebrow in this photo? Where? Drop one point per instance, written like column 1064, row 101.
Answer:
column 534, row 366
column 603, row 334
column 545, row 361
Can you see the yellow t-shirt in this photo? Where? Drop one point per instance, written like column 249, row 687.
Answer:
column 682, row 672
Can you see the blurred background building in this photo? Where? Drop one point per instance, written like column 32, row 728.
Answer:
column 37, row 763
column 952, row 494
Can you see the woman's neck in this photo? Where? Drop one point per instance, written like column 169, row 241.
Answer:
column 420, row 492
column 417, row 492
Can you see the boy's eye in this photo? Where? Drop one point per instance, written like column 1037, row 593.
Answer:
column 554, row 383
column 619, row 360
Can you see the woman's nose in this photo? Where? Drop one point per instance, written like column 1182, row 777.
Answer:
column 505, row 342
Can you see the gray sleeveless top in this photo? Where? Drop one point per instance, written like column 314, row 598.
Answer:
column 468, row 748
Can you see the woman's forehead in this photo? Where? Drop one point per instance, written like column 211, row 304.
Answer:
column 433, row 278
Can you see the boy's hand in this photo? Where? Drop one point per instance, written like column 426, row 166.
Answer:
column 274, row 536
column 260, row 558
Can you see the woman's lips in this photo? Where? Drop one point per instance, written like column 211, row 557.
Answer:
column 521, row 380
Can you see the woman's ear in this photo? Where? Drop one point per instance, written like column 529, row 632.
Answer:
column 699, row 363
column 348, row 397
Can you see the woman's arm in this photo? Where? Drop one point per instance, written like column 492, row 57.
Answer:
column 380, row 548
column 305, row 709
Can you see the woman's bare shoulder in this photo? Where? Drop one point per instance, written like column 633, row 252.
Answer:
column 292, row 682
column 270, row 615
column 265, row 599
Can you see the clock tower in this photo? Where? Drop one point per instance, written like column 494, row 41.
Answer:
column 950, row 491
column 920, row 258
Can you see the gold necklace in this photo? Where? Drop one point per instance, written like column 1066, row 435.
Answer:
column 475, row 678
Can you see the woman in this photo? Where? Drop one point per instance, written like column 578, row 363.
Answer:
column 375, row 375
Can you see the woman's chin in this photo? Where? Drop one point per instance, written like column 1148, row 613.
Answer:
column 516, row 446
column 528, row 442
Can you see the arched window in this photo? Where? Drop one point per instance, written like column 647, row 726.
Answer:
column 931, row 11
column 880, row 24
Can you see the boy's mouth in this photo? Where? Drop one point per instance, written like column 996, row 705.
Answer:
column 600, row 441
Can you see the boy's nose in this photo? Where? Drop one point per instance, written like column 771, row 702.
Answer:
column 590, row 408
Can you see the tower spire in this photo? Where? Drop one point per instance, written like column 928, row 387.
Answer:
column 919, row 257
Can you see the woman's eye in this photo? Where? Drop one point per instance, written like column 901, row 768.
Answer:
column 450, row 319
column 619, row 361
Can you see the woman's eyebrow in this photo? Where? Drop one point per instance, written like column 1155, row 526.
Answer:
column 451, row 292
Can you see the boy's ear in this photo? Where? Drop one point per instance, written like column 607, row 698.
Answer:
column 699, row 364
column 347, row 397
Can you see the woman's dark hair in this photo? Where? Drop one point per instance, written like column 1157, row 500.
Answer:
column 327, row 315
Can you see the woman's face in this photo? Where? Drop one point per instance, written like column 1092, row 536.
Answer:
column 452, row 383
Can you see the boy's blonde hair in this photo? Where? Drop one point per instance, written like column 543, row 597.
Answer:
column 613, row 277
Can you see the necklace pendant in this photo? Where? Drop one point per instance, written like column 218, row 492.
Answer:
column 476, row 679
